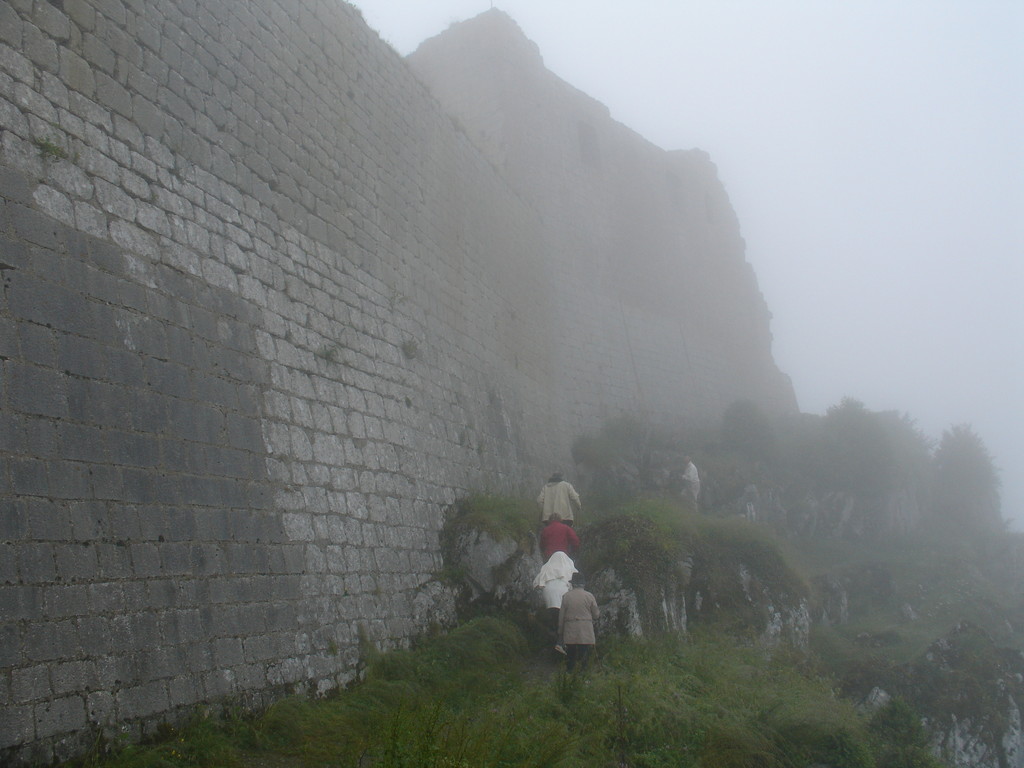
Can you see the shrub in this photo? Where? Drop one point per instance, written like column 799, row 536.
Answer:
column 501, row 517
column 967, row 483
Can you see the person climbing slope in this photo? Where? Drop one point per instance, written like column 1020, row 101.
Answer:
column 559, row 496
column 553, row 581
column 558, row 537
column 576, row 623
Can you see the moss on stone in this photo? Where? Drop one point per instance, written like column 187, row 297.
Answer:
column 501, row 517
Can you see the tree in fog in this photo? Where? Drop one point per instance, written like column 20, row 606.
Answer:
column 966, row 482
column 854, row 453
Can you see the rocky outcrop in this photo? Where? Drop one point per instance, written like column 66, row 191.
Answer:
column 968, row 692
column 625, row 611
column 747, row 601
column 493, row 569
column 638, row 594
column 833, row 603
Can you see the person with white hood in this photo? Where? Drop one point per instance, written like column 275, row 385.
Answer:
column 691, row 480
column 553, row 581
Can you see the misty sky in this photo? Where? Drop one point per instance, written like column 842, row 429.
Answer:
column 874, row 153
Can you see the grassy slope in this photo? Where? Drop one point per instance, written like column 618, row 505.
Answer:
column 469, row 698
column 461, row 700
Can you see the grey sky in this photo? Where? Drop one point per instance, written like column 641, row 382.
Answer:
column 874, row 153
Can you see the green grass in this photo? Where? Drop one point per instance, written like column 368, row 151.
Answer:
column 485, row 696
column 462, row 700
column 500, row 516
column 50, row 150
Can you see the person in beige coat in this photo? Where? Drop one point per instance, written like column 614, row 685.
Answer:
column 558, row 496
column 576, row 623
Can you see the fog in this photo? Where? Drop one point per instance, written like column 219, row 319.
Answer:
column 874, row 153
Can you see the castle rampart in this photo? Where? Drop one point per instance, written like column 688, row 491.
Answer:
column 267, row 308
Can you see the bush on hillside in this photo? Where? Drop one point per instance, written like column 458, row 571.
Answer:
column 966, row 482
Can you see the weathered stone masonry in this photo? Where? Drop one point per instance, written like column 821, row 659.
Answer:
column 266, row 309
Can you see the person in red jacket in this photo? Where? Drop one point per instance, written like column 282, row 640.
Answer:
column 558, row 537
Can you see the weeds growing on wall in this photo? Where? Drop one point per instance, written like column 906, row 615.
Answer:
column 50, row 150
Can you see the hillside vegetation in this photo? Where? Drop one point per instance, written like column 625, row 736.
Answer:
column 488, row 693
column 915, row 621
column 475, row 698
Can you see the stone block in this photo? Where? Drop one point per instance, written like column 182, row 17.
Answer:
column 69, row 480
column 11, row 26
column 184, row 690
column 144, row 700
column 175, row 559
column 134, row 239
column 80, row 442
column 100, row 707
column 97, row 403
column 33, row 389
column 145, row 559
column 107, row 483
column 87, row 520
column 132, row 449
column 94, row 634
column 51, row 641
column 28, row 476
column 90, row 219
column 113, row 560
column 40, row 437
column 33, row 226
column 19, row 726
column 125, row 368
column 71, row 677
column 100, row 166
column 11, row 646
column 106, row 598
column 45, row 302
column 81, row 13
column 80, row 357
column 14, row 522
column 39, row 48
column 51, row 20
column 21, row 602
column 112, row 95
column 30, row 684
column 219, row 683
column 180, row 456
column 76, row 562
column 65, row 600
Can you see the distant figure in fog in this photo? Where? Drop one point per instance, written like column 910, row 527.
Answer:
column 749, row 502
column 559, row 496
column 558, row 537
column 576, row 623
column 691, row 479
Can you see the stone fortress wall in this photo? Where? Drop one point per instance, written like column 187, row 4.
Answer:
column 267, row 308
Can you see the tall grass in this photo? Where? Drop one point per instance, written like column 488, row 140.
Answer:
column 476, row 699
